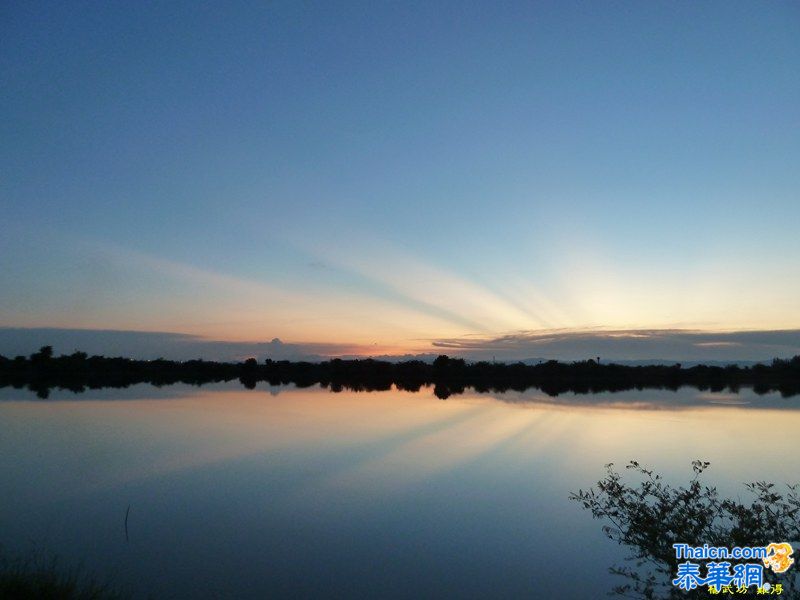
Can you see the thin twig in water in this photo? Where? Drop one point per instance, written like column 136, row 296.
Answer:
column 127, row 512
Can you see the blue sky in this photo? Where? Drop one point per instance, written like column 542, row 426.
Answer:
column 381, row 176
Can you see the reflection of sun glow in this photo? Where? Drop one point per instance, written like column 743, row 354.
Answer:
column 425, row 456
column 383, row 442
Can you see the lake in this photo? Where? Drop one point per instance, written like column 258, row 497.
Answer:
column 286, row 492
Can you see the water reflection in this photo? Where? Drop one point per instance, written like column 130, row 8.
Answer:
column 312, row 493
column 645, row 399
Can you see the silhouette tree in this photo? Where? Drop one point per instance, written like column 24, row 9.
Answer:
column 42, row 371
column 650, row 516
column 44, row 355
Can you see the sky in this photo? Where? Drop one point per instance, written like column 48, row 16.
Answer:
column 389, row 178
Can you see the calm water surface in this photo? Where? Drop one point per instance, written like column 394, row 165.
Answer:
column 286, row 492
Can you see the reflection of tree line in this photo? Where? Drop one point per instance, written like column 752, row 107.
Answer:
column 77, row 372
column 648, row 516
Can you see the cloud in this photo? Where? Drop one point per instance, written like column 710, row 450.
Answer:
column 154, row 344
column 679, row 345
column 641, row 344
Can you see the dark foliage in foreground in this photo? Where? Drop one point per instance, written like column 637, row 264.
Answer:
column 42, row 371
column 650, row 516
column 38, row 578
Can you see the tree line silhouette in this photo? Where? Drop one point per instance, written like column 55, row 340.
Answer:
column 42, row 371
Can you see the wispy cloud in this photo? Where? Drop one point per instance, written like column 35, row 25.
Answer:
column 431, row 289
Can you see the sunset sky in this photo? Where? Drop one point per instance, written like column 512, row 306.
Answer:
column 377, row 178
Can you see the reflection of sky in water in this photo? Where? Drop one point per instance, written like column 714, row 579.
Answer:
column 244, row 493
